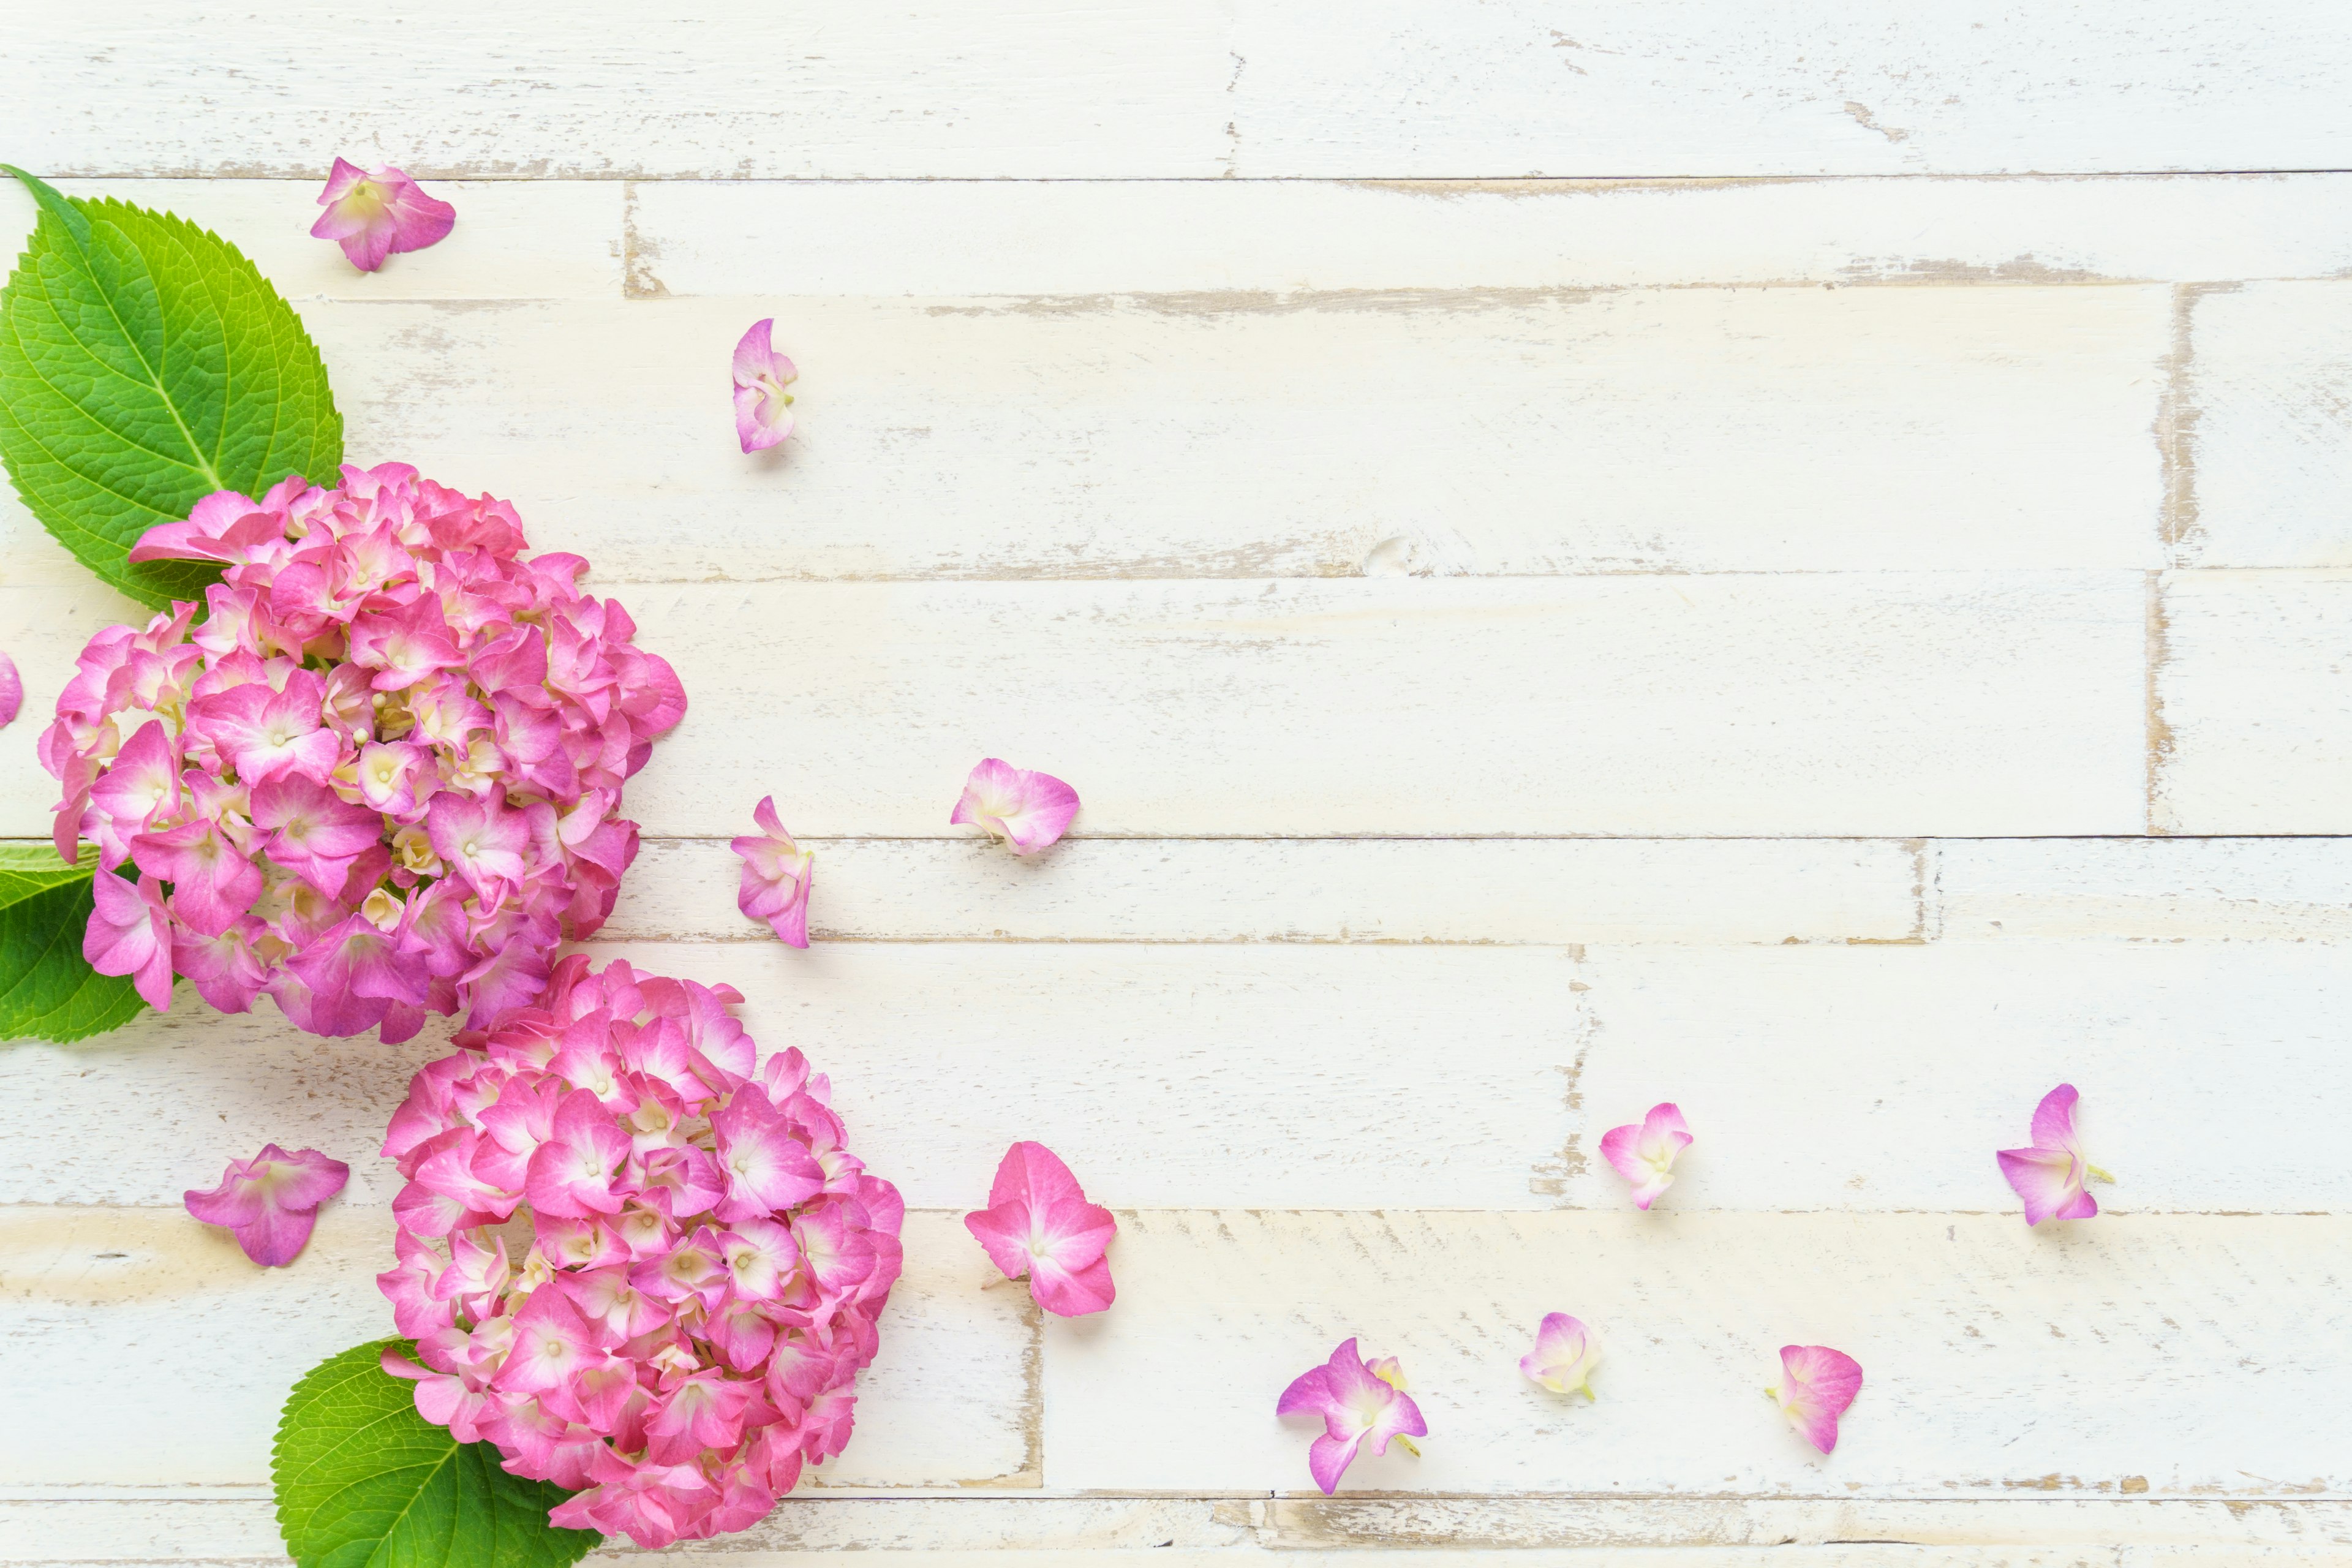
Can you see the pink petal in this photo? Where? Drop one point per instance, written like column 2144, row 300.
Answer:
column 277, row 1236
column 1071, row 1293
column 12, row 691
column 1028, row 810
column 1563, row 1356
column 1328, row 1459
column 2053, row 1119
column 2050, row 1182
column 1818, row 1384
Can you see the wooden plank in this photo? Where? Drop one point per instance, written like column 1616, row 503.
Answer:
column 2256, row 717
column 124, row 1331
column 1155, row 88
column 2268, row 407
column 1531, row 87
column 515, row 239
column 1228, row 434
column 1288, row 1064
column 2140, row 889
column 1816, row 1077
column 1884, row 1078
column 2194, row 1354
column 933, row 1531
column 602, row 92
column 801, row 239
column 1507, row 891
column 1856, row 704
column 1850, row 704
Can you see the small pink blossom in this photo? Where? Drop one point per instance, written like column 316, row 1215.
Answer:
column 1027, row 810
column 1039, row 1223
column 777, row 873
column 12, row 691
column 1818, row 1384
column 763, row 409
column 270, row 1201
column 1565, row 1354
column 1360, row 1403
column 376, row 214
column 2050, row 1174
column 130, row 934
column 1644, row 1155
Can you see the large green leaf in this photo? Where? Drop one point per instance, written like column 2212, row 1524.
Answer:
column 144, row 365
column 47, row 990
column 363, row 1481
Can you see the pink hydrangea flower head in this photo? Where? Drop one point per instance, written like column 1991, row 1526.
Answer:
column 1361, row 1403
column 373, row 214
column 1644, row 1155
column 1565, row 1354
column 777, row 873
column 2050, row 1176
column 1026, row 810
column 12, row 691
column 707, row 1265
column 1038, row 1223
column 270, row 1201
column 376, row 774
column 1816, row 1385
column 763, row 409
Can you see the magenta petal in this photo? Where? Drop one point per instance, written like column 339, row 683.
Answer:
column 1328, row 1459
column 12, row 691
column 277, row 1236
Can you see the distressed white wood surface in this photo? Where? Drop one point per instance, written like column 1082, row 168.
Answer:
column 1819, row 704
column 1162, row 88
column 1804, row 532
column 205, row 1343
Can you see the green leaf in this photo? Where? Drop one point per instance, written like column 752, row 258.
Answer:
column 363, row 1481
column 144, row 363
column 47, row 990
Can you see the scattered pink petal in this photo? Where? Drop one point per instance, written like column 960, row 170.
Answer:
column 1818, row 1384
column 1038, row 1223
column 373, row 215
column 12, row 691
column 776, row 876
column 1565, row 1354
column 763, row 409
column 2050, row 1175
column 270, row 1201
column 1644, row 1155
column 1027, row 810
column 1362, row 1403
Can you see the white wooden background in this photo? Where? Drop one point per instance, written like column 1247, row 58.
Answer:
column 1796, row 559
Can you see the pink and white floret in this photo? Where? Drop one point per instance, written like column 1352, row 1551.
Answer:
column 685, row 1328
column 375, row 774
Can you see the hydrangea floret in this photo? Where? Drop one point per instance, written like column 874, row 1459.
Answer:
column 376, row 774
column 706, row 1259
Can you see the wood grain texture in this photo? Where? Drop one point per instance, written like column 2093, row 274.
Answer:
column 124, row 1332
column 2270, row 446
column 2256, row 715
column 1489, row 891
column 2189, row 1354
column 1841, row 704
column 2140, row 889
column 1390, row 432
column 1083, row 1532
column 800, row 239
column 1155, row 88
column 1275, row 1075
